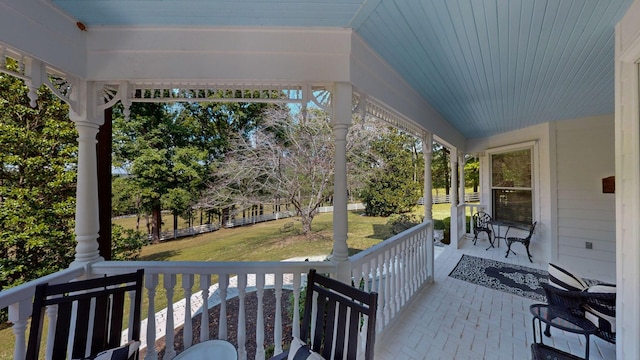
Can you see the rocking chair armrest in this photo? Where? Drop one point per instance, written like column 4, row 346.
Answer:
column 575, row 300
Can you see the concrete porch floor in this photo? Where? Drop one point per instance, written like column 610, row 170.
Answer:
column 454, row 319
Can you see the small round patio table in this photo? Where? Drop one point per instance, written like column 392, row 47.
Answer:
column 558, row 318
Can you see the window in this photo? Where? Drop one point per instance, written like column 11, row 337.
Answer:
column 511, row 185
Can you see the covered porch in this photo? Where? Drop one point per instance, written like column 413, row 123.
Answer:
column 346, row 67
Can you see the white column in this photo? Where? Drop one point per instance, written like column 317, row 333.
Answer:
column 461, row 162
column 627, row 187
column 427, row 153
column 341, row 121
column 453, row 198
column 85, row 115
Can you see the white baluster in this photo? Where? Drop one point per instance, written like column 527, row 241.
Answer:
column 19, row 314
column 150, row 283
column 169, row 284
column 366, row 278
column 132, row 305
column 52, row 316
column 260, row 317
column 402, row 273
column 387, row 284
column 187, row 332
column 393, row 296
column 296, row 305
column 408, row 269
column 277, row 332
column 242, row 321
column 416, row 261
column 205, row 283
column 223, row 285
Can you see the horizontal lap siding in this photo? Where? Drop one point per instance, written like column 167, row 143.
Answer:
column 585, row 155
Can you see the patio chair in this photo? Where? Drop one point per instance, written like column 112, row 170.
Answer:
column 524, row 240
column 89, row 318
column 340, row 313
column 481, row 223
column 597, row 304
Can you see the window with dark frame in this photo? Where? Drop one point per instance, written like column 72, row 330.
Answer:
column 512, row 185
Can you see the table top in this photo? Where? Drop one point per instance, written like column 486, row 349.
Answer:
column 559, row 318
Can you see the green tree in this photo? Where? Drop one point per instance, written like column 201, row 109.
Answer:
column 38, row 159
column 168, row 149
column 440, row 168
column 392, row 188
column 126, row 244
column 472, row 173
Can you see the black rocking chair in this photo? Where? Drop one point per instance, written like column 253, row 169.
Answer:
column 341, row 312
column 89, row 317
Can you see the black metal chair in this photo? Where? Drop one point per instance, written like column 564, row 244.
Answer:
column 525, row 241
column 577, row 302
column 341, row 312
column 89, row 317
column 481, row 223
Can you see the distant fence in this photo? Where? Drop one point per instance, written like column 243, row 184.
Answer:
column 206, row 228
column 250, row 220
column 468, row 197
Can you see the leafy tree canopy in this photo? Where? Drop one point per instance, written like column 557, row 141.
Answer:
column 392, row 188
column 38, row 157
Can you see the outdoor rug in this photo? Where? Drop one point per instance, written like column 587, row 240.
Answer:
column 513, row 279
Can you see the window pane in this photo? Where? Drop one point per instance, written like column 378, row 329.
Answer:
column 512, row 205
column 512, row 169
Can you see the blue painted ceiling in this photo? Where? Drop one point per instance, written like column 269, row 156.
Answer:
column 488, row 66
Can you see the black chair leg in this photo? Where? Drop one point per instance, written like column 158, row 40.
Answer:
column 547, row 331
column 509, row 248
column 475, row 238
column 526, row 245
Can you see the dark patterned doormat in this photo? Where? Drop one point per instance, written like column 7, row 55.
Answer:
column 513, row 279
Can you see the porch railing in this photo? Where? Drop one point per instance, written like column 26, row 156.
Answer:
column 396, row 268
column 19, row 300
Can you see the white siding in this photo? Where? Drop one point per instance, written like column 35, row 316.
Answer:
column 585, row 155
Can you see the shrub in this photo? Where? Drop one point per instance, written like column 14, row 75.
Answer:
column 126, row 243
column 401, row 222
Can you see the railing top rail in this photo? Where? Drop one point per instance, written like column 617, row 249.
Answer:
column 204, row 267
column 366, row 255
column 27, row 290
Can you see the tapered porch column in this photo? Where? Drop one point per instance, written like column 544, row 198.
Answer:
column 87, row 119
column 341, row 122
column 427, row 153
column 461, row 192
column 453, row 198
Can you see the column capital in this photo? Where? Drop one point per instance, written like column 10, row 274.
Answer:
column 85, row 104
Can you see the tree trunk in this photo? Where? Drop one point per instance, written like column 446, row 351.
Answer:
column 156, row 224
column 175, row 226
column 306, row 225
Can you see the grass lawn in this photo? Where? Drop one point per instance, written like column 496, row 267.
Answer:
column 259, row 242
